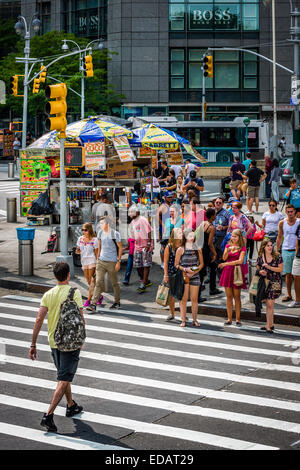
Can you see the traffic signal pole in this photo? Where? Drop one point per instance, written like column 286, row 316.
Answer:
column 295, row 32
column 25, row 100
column 203, row 97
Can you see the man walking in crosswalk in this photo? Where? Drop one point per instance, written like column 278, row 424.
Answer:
column 66, row 362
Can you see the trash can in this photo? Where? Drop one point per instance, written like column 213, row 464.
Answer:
column 25, row 236
column 11, row 169
column 11, row 209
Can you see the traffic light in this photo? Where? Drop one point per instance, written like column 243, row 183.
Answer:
column 208, row 66
column 14, row 85
column 36, row 85
column 57, row 109
column 88, row 66
column 43, row 74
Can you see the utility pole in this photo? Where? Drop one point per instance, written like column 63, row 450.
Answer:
column 275, row 126
column 295, row 38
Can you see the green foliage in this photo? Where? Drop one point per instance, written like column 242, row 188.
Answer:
column 8, row 37
column 99, row 96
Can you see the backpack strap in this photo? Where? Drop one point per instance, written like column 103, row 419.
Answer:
column 71, row 293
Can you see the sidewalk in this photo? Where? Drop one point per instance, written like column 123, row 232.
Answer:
column 130, row 299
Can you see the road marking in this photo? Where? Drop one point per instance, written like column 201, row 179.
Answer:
column 172, row 339
column 160, row 326
column 52, row 438
column 137, row 426
column 176, row 387
column 170, row 352
column 279, row 332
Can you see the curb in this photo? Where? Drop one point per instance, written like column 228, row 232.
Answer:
column 204, row 309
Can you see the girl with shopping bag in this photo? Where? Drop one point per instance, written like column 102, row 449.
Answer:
column 234, row 273
column 169, row 267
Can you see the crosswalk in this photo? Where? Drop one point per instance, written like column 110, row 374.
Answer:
column 10, row 187
column 145, row 383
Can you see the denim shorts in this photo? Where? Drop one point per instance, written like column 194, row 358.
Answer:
column 66, row 364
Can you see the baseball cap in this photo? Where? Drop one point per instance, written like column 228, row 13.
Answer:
column 168, row 194
column 232, row 199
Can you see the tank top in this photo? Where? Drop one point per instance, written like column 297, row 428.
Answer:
column 289, row 233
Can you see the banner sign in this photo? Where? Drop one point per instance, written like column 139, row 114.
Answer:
column 123, row 149
column 95, row 163
column 94, row 149
column 205, row 16
column 191, row 151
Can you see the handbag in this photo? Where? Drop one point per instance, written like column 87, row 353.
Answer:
column 238, row 276
column 162, row 295
column 259, row 236
column 176, row 283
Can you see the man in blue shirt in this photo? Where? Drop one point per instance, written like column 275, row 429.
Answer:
column 236, row 178
column 293, row 194
column 221, row 223
column 193, row 183
column 247, row 162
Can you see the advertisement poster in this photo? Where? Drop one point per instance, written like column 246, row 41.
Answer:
column 95, row 163
column 34, row 171
column 123, row 149
column 145, row 152
column 118, row 170
column 175, row 158
column 27, row 198
column 190, row 150
column 94, row 149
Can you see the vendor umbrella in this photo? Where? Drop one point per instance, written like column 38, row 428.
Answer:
column 156, row 137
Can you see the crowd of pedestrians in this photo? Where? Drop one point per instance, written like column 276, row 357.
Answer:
column 210, row 244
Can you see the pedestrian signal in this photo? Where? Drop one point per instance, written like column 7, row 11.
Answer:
column 43, row 74
column 88, row 66
column 36, row 85
column 208, row 66
column 56, row 109
column 14, row 85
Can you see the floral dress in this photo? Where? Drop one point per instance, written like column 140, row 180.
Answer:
column 275, row 285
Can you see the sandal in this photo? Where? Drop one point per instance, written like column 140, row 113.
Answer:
column 195, row 323
column 228, row 323
column 183, row 324
column 286, row 299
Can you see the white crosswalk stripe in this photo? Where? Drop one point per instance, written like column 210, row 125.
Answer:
column 10, row 187
column 138, row 376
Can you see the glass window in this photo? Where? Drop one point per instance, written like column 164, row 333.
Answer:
column 250, row 17
column 177, row 82
column 177, row 17
column 227, row 75
column 177, row 68
column 195, row 75
column 177, row 54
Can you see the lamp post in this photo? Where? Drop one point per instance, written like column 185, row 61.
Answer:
column 22, row 28
column 246, row 123
column 275, row 127
column 65, row 48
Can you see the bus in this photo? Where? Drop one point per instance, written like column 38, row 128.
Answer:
column 218, row 141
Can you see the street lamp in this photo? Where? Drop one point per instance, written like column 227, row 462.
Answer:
column 22, row 28
column 65, row 48
column 246, row 123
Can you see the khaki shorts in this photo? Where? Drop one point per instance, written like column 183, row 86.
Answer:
column 253, row 191
column 235, row 184
column 296, row 267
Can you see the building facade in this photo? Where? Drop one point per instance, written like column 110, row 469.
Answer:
column 160, row 44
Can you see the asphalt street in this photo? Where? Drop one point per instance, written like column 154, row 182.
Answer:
column 147, row 384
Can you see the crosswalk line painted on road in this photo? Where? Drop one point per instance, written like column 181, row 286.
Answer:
column 153, row 325
column 279, row 332
column 172, row 339
column 176, row 387
column 143, row 427
column 175, row 407
column 58, row 440
column 169, row 352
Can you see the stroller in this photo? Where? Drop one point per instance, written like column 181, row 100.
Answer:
column 224, row 187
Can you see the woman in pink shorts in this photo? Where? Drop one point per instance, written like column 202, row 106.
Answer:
column 87, row 247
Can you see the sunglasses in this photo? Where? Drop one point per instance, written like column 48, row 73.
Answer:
column 217, row 202
column 272, row 205
column 84, row 229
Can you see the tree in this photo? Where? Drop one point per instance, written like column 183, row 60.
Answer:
column 99, row 96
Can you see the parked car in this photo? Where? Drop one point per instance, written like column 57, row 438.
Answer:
column 288, row 170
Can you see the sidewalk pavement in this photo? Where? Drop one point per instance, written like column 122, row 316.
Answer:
column 130, row 298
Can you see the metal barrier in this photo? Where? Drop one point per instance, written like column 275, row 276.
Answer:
column 11, row 209
column 26, row 257
column 11, row 170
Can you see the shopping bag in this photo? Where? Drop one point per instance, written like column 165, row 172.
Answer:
column 254, row 285
column 176, row 282
column 238, row 277
column 162, row 295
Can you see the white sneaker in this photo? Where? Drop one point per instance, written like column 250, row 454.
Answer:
column 248, row 213
column 294, row 304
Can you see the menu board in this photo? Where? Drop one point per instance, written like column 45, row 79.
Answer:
column 94, row 149
column 175, row 158
column 117, row 170
column 95, row 163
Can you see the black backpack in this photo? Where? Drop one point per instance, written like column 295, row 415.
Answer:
column 70, row 332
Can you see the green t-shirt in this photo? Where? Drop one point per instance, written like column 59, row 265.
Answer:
column 53, row 300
